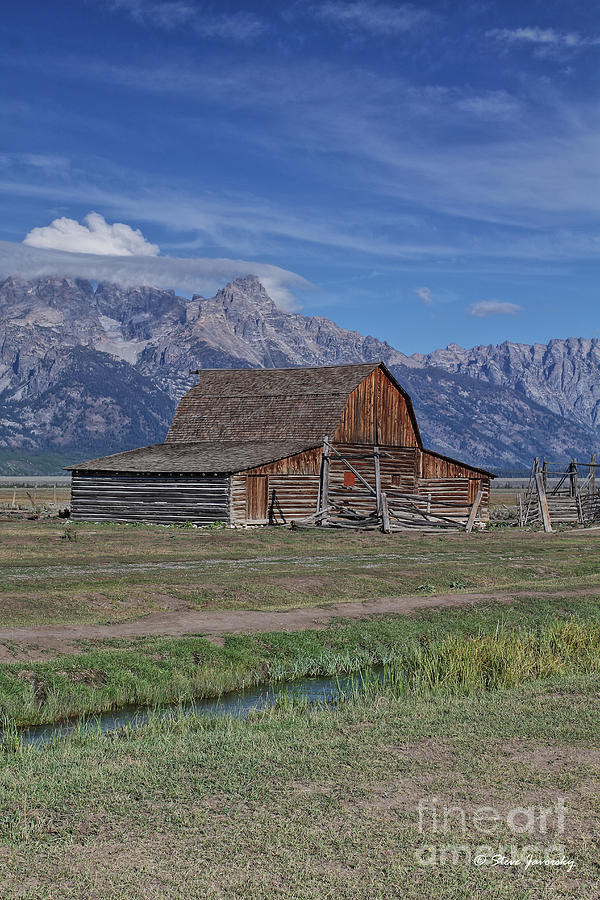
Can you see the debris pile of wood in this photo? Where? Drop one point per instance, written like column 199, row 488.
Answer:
column 371, row 508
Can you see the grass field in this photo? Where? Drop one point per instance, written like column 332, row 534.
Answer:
column 52, row 572
column 301, row 803
column 487, row 705
column 153, row 670
column 33, row 497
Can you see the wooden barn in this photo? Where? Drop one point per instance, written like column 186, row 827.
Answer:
column 336, row 445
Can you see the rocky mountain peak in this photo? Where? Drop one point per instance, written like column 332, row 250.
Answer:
column 246, row 294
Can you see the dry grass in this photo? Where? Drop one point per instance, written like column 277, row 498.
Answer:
column 39, row 499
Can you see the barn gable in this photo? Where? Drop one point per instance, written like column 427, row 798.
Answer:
column 379, row 411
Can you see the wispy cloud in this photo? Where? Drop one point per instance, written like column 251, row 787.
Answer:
column 200, row 275
column 543, row 37
column 169, row 15
column 94, row 236
column 393, row 142
column 375, row 18
column 494, row 308
column 425, row 294
column 254, row 225
column 490, row 105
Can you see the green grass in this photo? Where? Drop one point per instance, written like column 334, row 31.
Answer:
column 160, row 670
column 307, row 804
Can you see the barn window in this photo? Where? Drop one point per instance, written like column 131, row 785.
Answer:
column 349, row 479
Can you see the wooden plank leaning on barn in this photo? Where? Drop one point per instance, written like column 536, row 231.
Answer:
column 473, row 513
column 539, row 480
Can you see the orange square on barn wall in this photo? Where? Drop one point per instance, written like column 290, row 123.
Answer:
column 349, row 479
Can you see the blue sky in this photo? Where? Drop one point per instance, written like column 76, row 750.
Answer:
column 426, row 173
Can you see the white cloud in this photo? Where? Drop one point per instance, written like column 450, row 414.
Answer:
column 494, row 308
column 376, row 18
column 94, row 236
column 203, row 276
column 425, row 294
column 166, row 15
column 169, row 15
column 546, row 37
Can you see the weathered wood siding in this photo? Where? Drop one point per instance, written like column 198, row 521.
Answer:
column 398, row 469
column 434, row 465
column 257, row 498
column 237, row 500
column 452, row 487
column 306, row 463
column 159, row 498
column 292, row 497
column 377, row 412
column 288, row 497
column 446, row 493
column 292, row 487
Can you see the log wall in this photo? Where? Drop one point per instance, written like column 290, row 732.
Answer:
column 292, row 497
column 164, row 499
column 398, row 470
column 446, row 493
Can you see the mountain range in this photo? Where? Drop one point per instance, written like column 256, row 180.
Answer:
column 91, row 369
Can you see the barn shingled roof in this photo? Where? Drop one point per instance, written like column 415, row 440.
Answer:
column 194, row 456
column 266, row 404
column 236, row 419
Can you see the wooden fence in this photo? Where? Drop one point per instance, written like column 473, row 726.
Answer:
column 561, row 492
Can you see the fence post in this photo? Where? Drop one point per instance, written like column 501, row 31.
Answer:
column 545, row 474
column 520, row 499
column 573, row 478
column 385, row 514
column 593, row 474
column 325, row 480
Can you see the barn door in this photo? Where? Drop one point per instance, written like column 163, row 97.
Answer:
column 257, row 497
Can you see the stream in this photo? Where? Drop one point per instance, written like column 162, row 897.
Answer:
column 323, row 691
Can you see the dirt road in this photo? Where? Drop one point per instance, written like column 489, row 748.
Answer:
column 45, row 641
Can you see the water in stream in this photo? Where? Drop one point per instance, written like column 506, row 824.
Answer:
column 326, row 691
